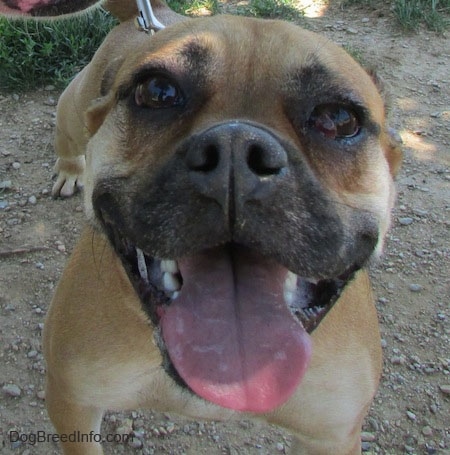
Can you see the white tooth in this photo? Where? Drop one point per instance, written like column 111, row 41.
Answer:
column 142, row 266
column 175, row 295
column 171, row 282
column 167, row 265
column 290, row 288
column 290, row 283
column 289, row 297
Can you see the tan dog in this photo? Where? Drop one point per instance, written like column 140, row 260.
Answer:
column 238, row 179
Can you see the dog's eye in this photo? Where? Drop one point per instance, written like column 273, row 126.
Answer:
column 158, row 92
column 334, row 121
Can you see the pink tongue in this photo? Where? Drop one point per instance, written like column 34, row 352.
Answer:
column 230, row 335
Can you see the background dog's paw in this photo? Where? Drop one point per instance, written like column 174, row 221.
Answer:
column 69, row 173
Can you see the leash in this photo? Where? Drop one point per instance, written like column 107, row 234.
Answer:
column 146, row 21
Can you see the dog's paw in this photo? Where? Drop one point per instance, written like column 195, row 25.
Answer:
column 69, row 173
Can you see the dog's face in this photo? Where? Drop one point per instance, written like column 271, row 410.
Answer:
column 242, row 171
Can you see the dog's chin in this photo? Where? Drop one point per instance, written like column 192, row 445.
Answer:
column 233, row 326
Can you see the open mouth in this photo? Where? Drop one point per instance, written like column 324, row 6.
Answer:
column 232, row 325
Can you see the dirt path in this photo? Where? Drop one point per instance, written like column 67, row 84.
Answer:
column 411, row 413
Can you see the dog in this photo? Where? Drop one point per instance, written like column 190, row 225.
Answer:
column 238, row 181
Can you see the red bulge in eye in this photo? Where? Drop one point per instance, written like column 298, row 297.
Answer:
column 334, row 121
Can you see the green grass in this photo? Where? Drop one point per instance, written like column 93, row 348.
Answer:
column 36, row 53
column 434, row 14
column 194, row 7
column 273, row 9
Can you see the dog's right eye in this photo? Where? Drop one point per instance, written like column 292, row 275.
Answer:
column 158, row 92
column 334, row 121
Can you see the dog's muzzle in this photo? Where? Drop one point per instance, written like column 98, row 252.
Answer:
column 237, row 253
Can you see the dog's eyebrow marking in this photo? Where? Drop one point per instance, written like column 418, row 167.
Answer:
column 195, row 55
column 315, row 78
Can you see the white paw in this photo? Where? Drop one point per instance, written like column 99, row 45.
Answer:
column 69, row 176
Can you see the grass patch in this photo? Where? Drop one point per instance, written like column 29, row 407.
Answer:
column 34, row 53
column 273, row 9
column 410, row 14
column 194, row 7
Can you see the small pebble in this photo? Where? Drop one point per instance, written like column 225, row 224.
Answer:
column 405, row 221
column 135, row 443
column 12, row 390
column 32, row 200
column 445, row 389
column 6, row 185
column 398, row 360
column 367, row 436
column 411, row 415
column 50, row 101
column 427, row 430
column 16, row 165
column 414, row 287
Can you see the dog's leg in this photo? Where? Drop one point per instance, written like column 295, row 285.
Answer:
column 69, row 166
column 78, row 426
column 70, row 142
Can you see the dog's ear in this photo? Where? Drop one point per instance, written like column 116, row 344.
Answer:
column 391, row 139
column 45, row 8
column 97, row 112
column 123, row 10
column 392, row 145
column 99, row 108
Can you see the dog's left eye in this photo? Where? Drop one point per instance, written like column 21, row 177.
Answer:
column 334, row 121
column 158, row 92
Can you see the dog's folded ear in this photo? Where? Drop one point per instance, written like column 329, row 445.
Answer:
column 97, row 112
column 391, row 139
column 99, row 108
column 45, row 8
column 392, row 144
column 123, row 9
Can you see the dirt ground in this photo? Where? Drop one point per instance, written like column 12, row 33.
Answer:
column 411, row 412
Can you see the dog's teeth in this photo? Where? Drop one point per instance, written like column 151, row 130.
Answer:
column 169, row 266
column 142, row 266
column 171, row 282
column 290, row 284
column 175, row 295
column 290, row 288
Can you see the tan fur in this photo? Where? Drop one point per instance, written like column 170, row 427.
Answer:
column 98, row 341
column 99, row 347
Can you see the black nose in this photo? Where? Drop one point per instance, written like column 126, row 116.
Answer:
column 236, row 162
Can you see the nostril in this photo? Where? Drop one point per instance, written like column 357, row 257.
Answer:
column 204, row 159
column 263, row 162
